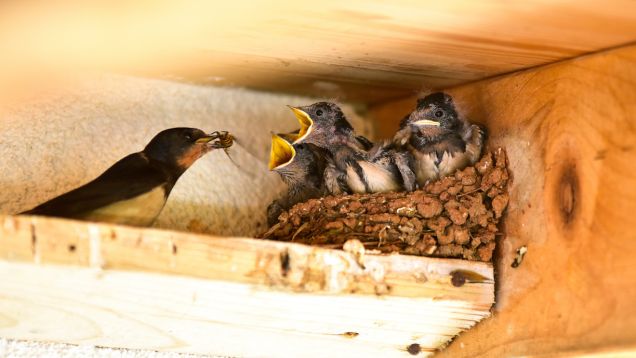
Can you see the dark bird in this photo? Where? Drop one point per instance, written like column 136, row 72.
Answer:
column 134, row 190
column 302, row 167
column 363, row 166
column 381, row 169
column 324, row 124
column 440, row 141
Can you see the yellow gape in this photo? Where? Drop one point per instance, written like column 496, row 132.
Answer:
column 306, row 123
column 281, row 154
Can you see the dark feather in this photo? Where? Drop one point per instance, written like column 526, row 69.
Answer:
column 364, row 142
column 130, row 177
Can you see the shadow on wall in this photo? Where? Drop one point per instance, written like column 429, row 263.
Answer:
column 68, row 137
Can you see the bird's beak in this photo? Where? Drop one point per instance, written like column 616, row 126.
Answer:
column 281, row 154
column 290, row 137
column 208, row 138
column 305, row 121
column 426, row 122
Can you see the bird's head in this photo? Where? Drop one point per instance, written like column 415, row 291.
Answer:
column 434, row 114
column 319, row 121
column 181, row 147
column 294, row 161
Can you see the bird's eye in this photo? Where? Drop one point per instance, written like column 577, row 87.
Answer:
column 319, row 112
column 188, row 137
column 439, row 113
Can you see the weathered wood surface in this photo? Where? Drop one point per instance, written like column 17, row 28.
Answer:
column 182, row 314
column 264, row 298
column 285, row 265
column 569, row 130
column 353, row 50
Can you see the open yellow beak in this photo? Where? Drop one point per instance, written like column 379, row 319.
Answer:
column 305, row 121
column 426, row 122
column 281, row 154
column 290, row 137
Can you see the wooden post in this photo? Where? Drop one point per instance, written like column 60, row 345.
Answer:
column 570, row 135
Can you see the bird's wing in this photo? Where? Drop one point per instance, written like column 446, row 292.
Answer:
column 364, row 142
column 126, row 179
column 475, row 137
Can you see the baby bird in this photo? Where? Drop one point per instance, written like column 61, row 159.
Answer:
column 361, row 165
column 325, row 125
column 302, row 167
column 440, row 141
column 134, row 190
column 378, row 170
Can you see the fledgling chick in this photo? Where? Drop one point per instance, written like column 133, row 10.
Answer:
column 134, row 190
column 302, row 167
column 381, row 169
column 363, row 166
column 325, row 125
column 440, row 141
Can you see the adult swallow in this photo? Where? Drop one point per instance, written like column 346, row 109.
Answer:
column 302, row 167
column 324, row 124
column 134, row 190
column 440, row 141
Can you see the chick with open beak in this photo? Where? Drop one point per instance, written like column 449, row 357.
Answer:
column 324, row 124
column 362, row 166
column 302, row 167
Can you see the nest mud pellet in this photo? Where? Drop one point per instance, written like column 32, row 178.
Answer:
column 456, row 216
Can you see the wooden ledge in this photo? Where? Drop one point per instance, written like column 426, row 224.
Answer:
column 283, row 265
column 284, row 298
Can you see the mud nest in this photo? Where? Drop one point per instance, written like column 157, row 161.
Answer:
column 456, row 216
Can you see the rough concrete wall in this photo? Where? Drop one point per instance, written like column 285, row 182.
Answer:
column 68, row 137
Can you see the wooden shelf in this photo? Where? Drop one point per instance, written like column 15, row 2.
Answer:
column 283, row 298
column 354, row 50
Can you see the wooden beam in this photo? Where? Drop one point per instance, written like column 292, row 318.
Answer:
column 290, row 266
column 569, row 133
column 355, row 50
column 283, row 298
column 181, row 314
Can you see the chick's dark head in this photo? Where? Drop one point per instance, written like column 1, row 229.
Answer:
column 434, row 113
column 179, row 147
column 320, row 123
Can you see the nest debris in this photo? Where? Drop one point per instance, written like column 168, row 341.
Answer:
column 455, row 217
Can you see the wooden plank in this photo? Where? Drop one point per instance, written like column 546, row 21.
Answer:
column 355, row 50
column 249, row 298
column 294, row 267
column 181, row 314
column 616, row 352
column 569, row 133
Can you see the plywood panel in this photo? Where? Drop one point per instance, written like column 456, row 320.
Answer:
column 353, row 50
column 570, row 136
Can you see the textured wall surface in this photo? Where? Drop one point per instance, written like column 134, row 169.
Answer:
column 60, row 140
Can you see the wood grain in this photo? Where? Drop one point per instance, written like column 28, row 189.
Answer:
column 261, row 298
column 181, row 314
column 569, row 132
column 288, row 266
column 355, row 50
